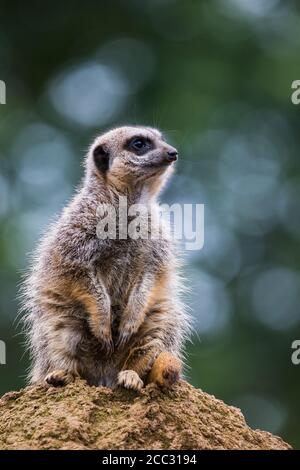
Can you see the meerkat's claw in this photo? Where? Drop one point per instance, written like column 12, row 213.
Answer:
column 59, row 378
column 170, row 376
column 130, row 379
column 126, row 331
column 122, row 340
column 108, row 346
column 104, row 336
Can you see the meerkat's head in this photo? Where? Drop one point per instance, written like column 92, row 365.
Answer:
column 131, row 157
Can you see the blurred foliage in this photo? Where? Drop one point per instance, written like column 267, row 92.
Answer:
column 216, row 77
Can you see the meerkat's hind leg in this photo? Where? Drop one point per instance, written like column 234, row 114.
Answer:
column 130, row 379
column 59, row 378
column 166, row 370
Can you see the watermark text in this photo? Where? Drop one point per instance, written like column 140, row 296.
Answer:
column 180, row 222
column 296, row 354
column 2, row 352
column 295, row 97
column 2, row 92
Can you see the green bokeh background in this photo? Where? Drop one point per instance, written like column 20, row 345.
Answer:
column 216, row 77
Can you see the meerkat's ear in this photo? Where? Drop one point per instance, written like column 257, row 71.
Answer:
column 101, row 158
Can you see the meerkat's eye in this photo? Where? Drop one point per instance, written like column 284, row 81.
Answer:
column 140, row 145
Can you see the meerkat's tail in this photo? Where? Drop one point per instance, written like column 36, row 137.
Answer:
column 166, row 370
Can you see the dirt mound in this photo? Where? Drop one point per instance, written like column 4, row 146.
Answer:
column 83, row 417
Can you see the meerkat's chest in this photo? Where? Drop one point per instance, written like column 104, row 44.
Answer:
column 125, row 263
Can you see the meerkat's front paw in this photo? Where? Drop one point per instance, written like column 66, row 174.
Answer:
column 106, row 340
column 104, row 336
column 130, row 379
column 59, row 378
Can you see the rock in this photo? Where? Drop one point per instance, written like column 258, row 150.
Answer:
column 83, row 417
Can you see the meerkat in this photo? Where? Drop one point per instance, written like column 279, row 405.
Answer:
column 108, row 311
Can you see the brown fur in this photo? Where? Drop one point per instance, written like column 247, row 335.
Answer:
column 108, row 311
column 166, row 370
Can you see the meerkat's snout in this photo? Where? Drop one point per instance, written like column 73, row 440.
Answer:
column 172, row 155
column 168, row 155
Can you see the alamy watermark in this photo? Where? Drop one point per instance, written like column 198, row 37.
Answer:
column 295, row 97
column 2, row 352
column 2, row 92
column 296, row 353
column 180, row 222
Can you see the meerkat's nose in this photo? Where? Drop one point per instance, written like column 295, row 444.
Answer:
column 172, row 155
